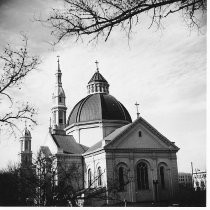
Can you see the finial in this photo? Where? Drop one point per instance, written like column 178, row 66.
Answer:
column 137, row 109
column 96, row 62
column 25, row 124
column 58, row 62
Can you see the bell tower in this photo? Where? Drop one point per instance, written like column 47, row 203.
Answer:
column 26, row 153
column 59, row 105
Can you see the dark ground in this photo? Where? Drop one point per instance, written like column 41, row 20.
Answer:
column 186, row 198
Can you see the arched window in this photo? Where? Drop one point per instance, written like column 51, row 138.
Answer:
column 142, row 176
column 99, row 176
column 89, row 178
column 121, row 178
column 162, row 178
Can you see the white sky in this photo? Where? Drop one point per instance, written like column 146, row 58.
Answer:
column 165, row 71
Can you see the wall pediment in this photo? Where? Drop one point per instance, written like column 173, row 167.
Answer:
column 141, row 135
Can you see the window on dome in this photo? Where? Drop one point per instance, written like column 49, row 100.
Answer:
column 140, row 134
column 60, row 99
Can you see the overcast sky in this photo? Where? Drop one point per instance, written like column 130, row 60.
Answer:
column 164, row 71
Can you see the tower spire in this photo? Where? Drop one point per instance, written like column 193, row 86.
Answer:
column 59, row 104
column 59, row 69
column 137, row 109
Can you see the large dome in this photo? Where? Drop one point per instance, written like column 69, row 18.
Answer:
column 98, row 106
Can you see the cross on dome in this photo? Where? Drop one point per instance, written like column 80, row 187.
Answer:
column 96, row 62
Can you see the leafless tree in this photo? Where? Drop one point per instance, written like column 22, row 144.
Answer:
column 97, row 18
column 15, row 65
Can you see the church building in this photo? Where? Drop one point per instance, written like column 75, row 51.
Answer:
column 112, row 150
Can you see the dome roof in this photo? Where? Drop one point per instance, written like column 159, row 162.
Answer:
column 97, row 77
column 99, row 106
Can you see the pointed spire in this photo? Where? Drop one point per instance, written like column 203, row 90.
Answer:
column 26, row 132
column 59, row 104
column 137, row 109
column 58, row 72
column 59, row 69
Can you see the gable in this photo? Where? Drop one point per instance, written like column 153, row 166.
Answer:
column 141, row 135
column 49, row 142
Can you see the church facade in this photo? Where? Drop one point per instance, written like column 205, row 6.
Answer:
column 131, row 160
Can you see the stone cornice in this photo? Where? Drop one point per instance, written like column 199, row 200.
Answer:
column 96, row 122
column 130, row 150
column 140, row 150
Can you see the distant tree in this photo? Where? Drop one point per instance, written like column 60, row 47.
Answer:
column 78, row 18
column 17, row 186
column 61, row 183
column 15, row 65
column 9, row 186
column 49, row 182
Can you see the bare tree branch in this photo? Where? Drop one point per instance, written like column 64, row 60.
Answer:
column 16, row 65
column 80, row 18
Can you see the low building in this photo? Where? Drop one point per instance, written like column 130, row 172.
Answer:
column 199, row 181
column 185, row 180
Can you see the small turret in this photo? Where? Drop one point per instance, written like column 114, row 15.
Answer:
column 26, row 153
column 97, row 83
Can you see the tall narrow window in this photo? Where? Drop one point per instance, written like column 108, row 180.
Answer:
column 99, row 176
column 26, row 145
column 89, row 178
column 121, row 178
column 162, row 178
column 60, row 117
column 142, row 176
